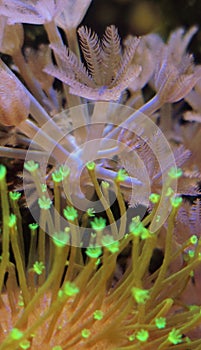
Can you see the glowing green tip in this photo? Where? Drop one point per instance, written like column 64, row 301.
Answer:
column 2, row 172
column 176, row 201
column 25, row 345
column 160, row 322
column 14, row 195
column 154, row 198
column 43, row 188
column 98, row 315
column 70, row 289
column 105, row 184
column 194, row 239
column 131, row 337
column 191, row 253
column 57, row 347
column 44, row 203
column 98, row 224
column 38, row 267
column 70, row 213
column 86, row 333
column 142, row 335
column 64, row 170
column 110, row 244
column 57, row 176
column 91, row 165
column 175, row 337
column 33, row 226
column 121, row 175
column 20, row 301
column 31, row 166
column 16, row 334
column 175, row 173
column 12, row 220
column 140, row 295
column 60, row 239
column 94, row 252
column 137, row 229
column 91, row 212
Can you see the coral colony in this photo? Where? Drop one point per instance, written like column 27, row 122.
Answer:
column 111, row 174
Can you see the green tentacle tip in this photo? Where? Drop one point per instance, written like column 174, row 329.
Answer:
column 64, row 170
column 25, row 345
column 70, row 289
column 110, row 244
column 105, row 184
column 12, row 220
column 176, row 201
column 57, row 176
column 140, row 295
column 98, row 224
column 154, row 198
column 160, row 322
column 131, row 337
column 20, row 301
column 86, row 333
column 16, row 334
column 44, row 203
column 122, row 175
column 142, row 335
column 175, row 173
column 194, row 239
column 136, row 227
column 98, row 315
column 70, row 213
column 33, row 226
column 14, row 196
column 60, row 174
column 91, row 165
column 175, row 337
column 91, row 212
column 2, row 172
column 31, row 166
column 43, row 188
column 60, row 239
column 38, row 267
column 57, row 347
column 94, row 252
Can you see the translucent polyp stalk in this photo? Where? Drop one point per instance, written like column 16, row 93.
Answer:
column 10, row 152
column 5, row 236
column 148, row 109
column 110, row 175
column 57, row 266
column 19, row 264
column 106, row 206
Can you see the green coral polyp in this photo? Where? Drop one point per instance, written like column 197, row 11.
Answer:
column 140, row 295
column 38, row 267
column 15, row 196
column 94, row 252
column 70, row 213
column 142, row 335
column 31, row 166
column 44, row 203
column 175, row 336
column 98, row 224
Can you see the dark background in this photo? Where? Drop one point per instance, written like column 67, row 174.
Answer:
column 136, row 17
column 140, row 17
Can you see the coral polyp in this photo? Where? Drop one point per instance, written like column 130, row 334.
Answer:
column 66, row 297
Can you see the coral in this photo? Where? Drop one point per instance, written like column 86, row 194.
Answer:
column 82, row 305
column 108, row 166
